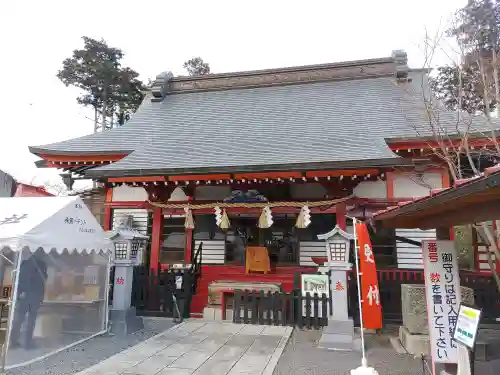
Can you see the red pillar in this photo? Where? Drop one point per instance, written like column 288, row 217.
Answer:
column 189, row 245
column 340, row 212
column 107, row 225
column 154, row 259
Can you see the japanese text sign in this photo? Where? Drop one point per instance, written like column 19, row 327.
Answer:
column 315, row 284
column 442, row 288
column 371, row 307
column 467, row 326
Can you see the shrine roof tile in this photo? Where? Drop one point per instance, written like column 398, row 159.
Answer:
column 335, row 121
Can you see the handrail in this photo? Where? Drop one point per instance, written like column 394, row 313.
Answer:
column 196, row 261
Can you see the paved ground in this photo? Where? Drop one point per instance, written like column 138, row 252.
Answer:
column 302, row 357
column 93, row 351
column 201, row 348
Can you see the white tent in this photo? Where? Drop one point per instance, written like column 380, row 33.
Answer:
column 51, row 223
column 67, row 283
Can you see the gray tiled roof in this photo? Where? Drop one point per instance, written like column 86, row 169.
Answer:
column 347, row 120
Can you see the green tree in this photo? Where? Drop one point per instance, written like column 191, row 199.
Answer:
column 196, row 67
column 461, row 87
column 472, row 86
column 114, row 92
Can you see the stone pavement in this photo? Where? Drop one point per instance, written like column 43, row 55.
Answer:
column 201, row 348
column 302, row 357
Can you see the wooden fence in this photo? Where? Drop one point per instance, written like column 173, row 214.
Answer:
column 284, row 309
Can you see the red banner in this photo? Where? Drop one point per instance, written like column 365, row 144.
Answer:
column 370, row 294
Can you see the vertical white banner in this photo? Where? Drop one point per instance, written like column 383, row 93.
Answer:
column 442, row 287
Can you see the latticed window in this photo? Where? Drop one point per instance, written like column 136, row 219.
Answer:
column 121, row 251
column 338, row 251
column 136, row 245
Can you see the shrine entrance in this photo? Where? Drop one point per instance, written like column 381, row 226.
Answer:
column 281, row 240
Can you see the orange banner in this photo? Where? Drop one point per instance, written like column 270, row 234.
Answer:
column 370, row 294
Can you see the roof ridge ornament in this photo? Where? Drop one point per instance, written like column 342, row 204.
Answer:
column 336, row 231
column 401, row 59
column 161, row 86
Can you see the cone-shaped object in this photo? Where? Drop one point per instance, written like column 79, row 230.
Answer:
column 266, row 218
column 189, row 222
column 304, row 218
column 300, row 220
column 224, row 223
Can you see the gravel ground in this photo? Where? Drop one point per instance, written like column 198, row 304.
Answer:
column 302, row 357
column 93, row 351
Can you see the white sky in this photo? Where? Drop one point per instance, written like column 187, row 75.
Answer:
column 156, row 35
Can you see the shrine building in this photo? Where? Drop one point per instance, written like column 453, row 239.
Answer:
column 332, row 141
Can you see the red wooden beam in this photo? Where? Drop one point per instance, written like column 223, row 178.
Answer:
column 82, row 158
column 421, row 144
column 200, row 177
column 137, row 179
column 358, row 172
column 129, row 204
column 270, row 175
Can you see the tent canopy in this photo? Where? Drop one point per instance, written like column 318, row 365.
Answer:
column 52, row 224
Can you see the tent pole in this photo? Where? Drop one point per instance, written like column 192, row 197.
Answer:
column 12, row 303
column 106, row 296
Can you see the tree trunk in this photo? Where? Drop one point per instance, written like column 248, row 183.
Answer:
column 104, row 106
column 495, row 78
column 96, row 119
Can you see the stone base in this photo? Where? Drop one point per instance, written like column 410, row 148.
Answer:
column 414, row 344
column 212, row 312
column 488, row 345
column 338, row 335
column 124, row 322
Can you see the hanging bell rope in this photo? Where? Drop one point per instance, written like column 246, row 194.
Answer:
column 189, row 221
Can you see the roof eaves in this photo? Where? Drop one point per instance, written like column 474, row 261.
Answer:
column 38, row 150
column 349, row 164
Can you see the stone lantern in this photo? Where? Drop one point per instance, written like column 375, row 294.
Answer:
column 129, row 246
column 339, row 334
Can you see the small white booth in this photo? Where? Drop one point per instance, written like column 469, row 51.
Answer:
column 54, row 277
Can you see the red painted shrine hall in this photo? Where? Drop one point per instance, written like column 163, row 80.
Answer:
column 343, row 139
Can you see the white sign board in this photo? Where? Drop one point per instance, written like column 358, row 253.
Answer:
column 442, row 287
column 314, row 284
column 467, row 326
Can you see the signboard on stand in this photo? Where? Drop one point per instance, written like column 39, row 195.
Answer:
column 467, row 326
column 312, row 284
column 442, row 286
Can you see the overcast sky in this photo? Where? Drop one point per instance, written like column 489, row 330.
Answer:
column 35, row 36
